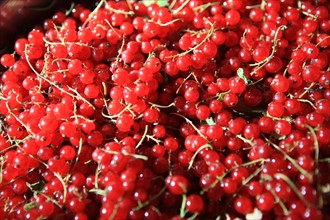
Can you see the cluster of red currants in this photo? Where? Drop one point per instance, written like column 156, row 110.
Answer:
column 182, row 109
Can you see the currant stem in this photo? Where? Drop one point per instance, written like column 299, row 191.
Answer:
column 170, row 22
column 78, row 153
column 263, row 4
column 220, row 95
column 293, row 187
column 97, row 173
column 324, row 160
column 122, row 111
column 254, row 174
column 120, row 50
column 169, row 163
column 306, row 90
column 196, row 153
column 183, row 206
column 244, row 139
column 65, row 190
column 161, row 106
column 193, row 216
column 56, row 86
column 68, row 12
column 51, row 199
column 294, row 163
column 327, row 37
column 307, row 101
column 115, row 210
column 78, row 96
column 137, row 156
column 244, row 182
column 30, row 205
column 275, row 41
column 19, row 120
column 205, row 6
column 317, row 169
column 220, row 178
column 106, row 21
column 97, row 191
column 146, row 203
column 209, row 34
column 175, row 11
column 129, row 5
column 279, row 201
column 90, row 16
column 153, row 138
column 185, row 79
column 172, row 4
column 192, row 124
column 130, row 13
column 249, row 7
column 309, row 14
column 143, row 137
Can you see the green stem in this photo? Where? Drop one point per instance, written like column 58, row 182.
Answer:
column 101, row 192
column 254, row 174
column 306, row 90
column 196, row 153
column 205, row 6
column 94, row 12
column 293, row 161
column 317, row 168
column 161, row 106
column 144, row 204
column 192, row 124
column 293, row 187
column 307, row 101
column 65, row 190
column 175, row 11
column 137, row 156
column 193, row 216
column 324, row 160
column 209, row 34
column 244, row 139
column 143, row 136
column 183, row 206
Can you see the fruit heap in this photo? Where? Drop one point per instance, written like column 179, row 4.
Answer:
column 186, row 109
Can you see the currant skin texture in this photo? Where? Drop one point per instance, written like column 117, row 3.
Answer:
column 194, row 203
column 124, row 111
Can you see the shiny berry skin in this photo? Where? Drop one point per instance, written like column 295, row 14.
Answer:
column 280, row 84
column 282, row 127
column 7, row 60
column 275, row 109
column 229, row 186
column 132, row 109
column 194, row 203
column 255, row 188
column 177, row 185
column 202, row 112
column 232, row 17
column 124, row 122
column 265, row 201
column 243, row 205
column 323, row 107
column 311, row 73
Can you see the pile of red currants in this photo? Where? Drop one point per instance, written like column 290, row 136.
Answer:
column 169, row 110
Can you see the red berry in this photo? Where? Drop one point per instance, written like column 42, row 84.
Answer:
column 177, row 185
column 194, row 203
column 243, row 205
